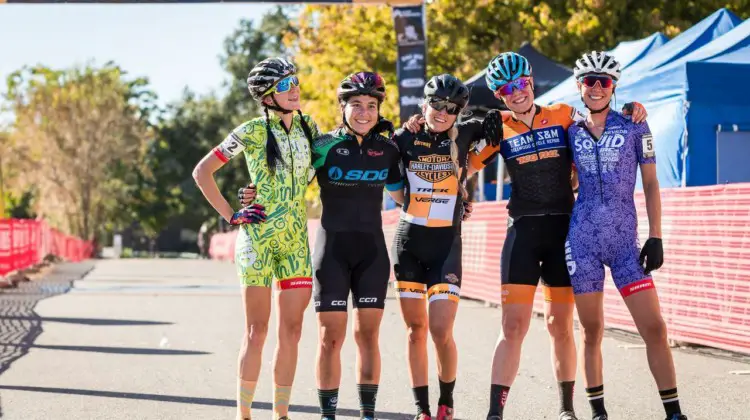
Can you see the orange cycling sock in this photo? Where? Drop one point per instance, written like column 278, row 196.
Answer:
column 245, row 394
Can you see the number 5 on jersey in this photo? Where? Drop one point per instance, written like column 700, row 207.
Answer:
column 648, row 146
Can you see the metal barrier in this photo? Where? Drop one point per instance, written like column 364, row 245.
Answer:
column 703, row 286
column 25, row 242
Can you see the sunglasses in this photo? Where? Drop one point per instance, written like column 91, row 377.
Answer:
column 442, row 104
column 590, row 80
column 285, row 84
column 508, row 88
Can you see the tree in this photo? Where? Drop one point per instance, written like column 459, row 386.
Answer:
column 332, row 41
column 192, row 127
column 79, row 135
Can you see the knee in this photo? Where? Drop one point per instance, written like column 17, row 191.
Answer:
column 290, row 332
column 366, row 338
column 255, row 336
column 514, row 328
column 417, row 333
column 655, row 331
column 559, row 328
column 441, row 333
column 331, row 340
column 593, row 332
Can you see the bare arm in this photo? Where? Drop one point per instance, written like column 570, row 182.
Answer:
column 574, row 178
column 653, row 199
column 204, row 178
column 397, row 196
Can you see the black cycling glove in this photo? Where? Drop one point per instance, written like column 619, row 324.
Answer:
column 653, row 254
column 383, row 125
column 492, row 127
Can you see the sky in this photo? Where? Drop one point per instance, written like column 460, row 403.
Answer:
column 174, row 45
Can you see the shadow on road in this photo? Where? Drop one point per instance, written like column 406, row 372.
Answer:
column 217, row 402
column 114, row 350
column 19, row 323
column 85, row 321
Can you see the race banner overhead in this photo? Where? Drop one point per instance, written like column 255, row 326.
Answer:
column 411, row 63
column 390, row 3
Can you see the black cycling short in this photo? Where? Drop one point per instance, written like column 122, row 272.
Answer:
column 350, row 261
column 427, row 262
column 535, row 248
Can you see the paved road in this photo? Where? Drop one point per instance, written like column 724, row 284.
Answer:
column 158, row 339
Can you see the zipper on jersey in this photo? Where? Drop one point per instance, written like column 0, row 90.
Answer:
column 533, row 134
column 599, row 170
column 598, row 162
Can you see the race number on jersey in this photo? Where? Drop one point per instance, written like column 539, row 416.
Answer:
column 648, row 146
column 229, row 148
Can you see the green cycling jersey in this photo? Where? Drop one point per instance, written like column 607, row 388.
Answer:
column 279, row 246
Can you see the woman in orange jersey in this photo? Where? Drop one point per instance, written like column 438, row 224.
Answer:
column 534, row 147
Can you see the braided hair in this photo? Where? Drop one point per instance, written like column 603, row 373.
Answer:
column 273, row 153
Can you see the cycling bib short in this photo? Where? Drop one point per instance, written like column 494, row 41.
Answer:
column 427, row 263
column 604, row 226
column 277, row 248
column 350, row 252
column 427, row 244
column 541, row 200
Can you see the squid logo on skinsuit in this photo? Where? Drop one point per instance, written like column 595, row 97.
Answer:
column 569, row 259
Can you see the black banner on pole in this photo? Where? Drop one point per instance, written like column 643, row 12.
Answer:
column 411, row 64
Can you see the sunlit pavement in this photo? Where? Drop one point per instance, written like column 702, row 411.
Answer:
column 158, row 339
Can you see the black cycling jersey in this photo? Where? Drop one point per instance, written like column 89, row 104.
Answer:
column 352, row 177
column 538, row 161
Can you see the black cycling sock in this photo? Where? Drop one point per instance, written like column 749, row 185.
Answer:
column 596, row 400
column 498, row 397
column 367, row 393
column 446, row 393
column 329, row 399
column 671, row 401
column 422, row 399
column 566, row 395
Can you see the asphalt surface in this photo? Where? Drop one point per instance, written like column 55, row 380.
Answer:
column 158, row 339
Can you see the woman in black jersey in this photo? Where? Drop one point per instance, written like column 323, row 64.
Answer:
column 353, row 163
column 427, row 246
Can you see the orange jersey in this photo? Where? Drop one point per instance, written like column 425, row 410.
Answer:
column 538, row 161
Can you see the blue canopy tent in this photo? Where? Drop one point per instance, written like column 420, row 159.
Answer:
column 687, row 100
column 626, row 52
column 694, row 38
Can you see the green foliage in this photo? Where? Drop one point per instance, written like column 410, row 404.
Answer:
column 97, row 153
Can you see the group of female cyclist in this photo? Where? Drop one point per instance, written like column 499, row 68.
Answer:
column 423, row 166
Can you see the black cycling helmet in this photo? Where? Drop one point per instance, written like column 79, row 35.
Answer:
column 266, row 74
column 362, row 83
column 448, row 88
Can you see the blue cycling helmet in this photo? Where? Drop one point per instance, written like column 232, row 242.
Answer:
column 505, row 68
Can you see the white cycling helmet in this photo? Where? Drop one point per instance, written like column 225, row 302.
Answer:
column 597, row 62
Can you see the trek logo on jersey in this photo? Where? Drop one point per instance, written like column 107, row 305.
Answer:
column 540, row 139
column 432, row 168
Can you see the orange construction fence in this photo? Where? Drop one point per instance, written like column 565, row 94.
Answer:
column 703, row 286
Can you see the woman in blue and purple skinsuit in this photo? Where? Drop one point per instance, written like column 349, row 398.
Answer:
column 608, row 148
